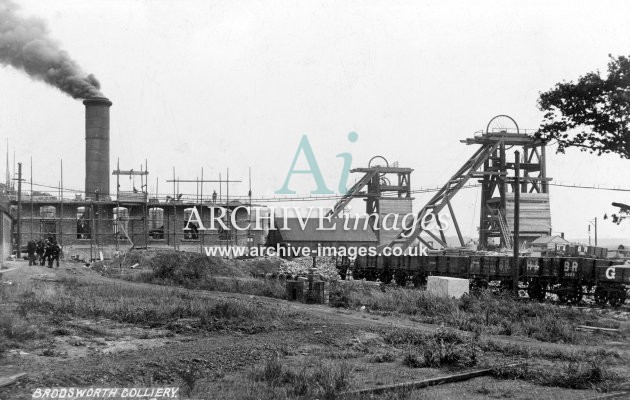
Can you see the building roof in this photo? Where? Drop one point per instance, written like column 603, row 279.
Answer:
column 335, row 230
column 550, row 239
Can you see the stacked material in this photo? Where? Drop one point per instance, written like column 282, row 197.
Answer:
column 444, row 286
column 464, row 251
column 459, row 251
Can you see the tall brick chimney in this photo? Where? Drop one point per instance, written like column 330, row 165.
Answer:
column 97, row 147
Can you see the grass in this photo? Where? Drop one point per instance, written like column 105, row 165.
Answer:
column 17, row 329
column 144, row 306
column 254, row 286
column 197, row 271
column 318, row 380
column 518, row 351
column 386, row 357
column 574, row 375
column 442, row 349
column 566, row 368
column 486, row 313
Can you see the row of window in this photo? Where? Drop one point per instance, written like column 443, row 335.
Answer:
column 120, row 217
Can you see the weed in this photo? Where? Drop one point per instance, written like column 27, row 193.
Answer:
column 18, row 329
column 574, row 375
column 189, row 377
column 412, row 359
column 386, row 357
column 148, row 306
column 48, row 352
column 484, row 313
column 272, row 370
column 61, row 332
column 321, row 380
column 444, row 348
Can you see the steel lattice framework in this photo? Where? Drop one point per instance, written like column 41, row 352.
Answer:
column 489, row 164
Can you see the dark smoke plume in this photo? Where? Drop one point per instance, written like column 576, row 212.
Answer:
column 25, row 45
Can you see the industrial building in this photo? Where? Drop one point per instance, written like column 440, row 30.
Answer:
column 99, row 222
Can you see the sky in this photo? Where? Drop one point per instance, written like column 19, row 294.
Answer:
column 236, row 84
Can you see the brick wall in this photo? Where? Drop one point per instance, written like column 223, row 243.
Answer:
column 99, row 222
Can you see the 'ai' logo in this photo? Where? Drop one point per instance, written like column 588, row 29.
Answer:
column 305, row 147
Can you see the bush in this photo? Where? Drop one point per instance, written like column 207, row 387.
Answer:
column 386, row 357
column 575, row 375
column 17, row 328
column 412, row 359
column 444, row 348
column 322, row 380
column 183, row 268
column 485, row 313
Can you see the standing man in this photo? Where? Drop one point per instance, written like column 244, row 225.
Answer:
column 31, row 248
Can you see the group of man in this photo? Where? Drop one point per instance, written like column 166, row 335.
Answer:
column 43, row 251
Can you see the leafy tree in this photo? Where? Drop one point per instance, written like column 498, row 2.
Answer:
column 624, row 212
column 592, row 114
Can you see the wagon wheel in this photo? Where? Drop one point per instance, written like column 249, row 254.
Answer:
column 618, row 297
column 502, row 124
column 478, row 286
column 386, row 276
column 419, row 280
column 369, row 275
column 401, row 278
column 506, row 286
column 536, row 291
column 574, row 295
column 563, row 294
column 601, row 297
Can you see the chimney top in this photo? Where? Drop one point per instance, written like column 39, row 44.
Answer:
column 97, row 100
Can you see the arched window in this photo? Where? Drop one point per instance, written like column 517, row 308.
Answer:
column 121, row 221
column 193, row 232
column 156, row 223
column 84, row 227
column 48, row 221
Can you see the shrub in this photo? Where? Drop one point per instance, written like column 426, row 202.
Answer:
column 442, row 348
column 412, row 359
column 189, row 269
column 486, row 313
column 386, row 357
column 18, row 328
column 575, row 375
column 322, row 380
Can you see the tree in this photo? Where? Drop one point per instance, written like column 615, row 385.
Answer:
column 624, row 212
column 592, row 114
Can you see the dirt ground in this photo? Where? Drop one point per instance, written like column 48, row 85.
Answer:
column 102, row 352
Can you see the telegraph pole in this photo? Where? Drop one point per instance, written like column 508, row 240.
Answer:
column 19, row 213
column 31, row 197
column 594, row 224
column 517, row 195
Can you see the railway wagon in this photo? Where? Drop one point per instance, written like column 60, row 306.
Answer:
column 569, row 278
